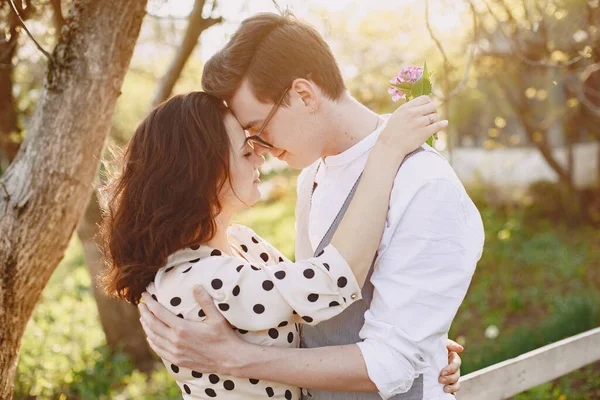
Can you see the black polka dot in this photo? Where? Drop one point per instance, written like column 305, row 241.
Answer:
column 282, row 324
column 288, row 395
column 154, row 297
column 242, row 331
column 197, row 374
column 253, row 381
column 307, row 319
column 254, row 268
column 342, row 282
column 174, row 368
column 210, row 393
column 216, row 252
column 321, row 253
column 180, row 315
column 239, row 268
column 168, row 269
column 270, row 391
column 259, row 308
column 333, row 304
column 245, row 248
column 344, row 299
column 195, row 247
column 213, row 379
column 216, row 284
column 201, row 313
column 236, row 290
column 255, row 240
column 264, row 256
column 175, row 301
column 294, row 312
column 280, row 274
column 267, row 285
column 309, row 273
column 290, row 337
column 326, row 266
column 313, row 297
column 280, row 259
column 223, row 306
column 228, row 385
column 187, row 389
column 187, row 270
column 195, row 260
column 274, row 333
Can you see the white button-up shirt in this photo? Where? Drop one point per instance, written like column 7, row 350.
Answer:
column 431, row 243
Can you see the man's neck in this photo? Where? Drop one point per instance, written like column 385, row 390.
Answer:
column 350, row 122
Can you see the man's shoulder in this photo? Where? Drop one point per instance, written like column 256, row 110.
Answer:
column 424, row 166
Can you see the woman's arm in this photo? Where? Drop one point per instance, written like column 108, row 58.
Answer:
column 358, row 236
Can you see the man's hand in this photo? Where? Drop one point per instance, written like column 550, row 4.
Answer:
column 451, row 373
column 205, row 346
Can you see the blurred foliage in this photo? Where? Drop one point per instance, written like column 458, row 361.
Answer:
column 536, row 283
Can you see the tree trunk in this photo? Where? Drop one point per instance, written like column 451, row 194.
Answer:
column 196, row 25
column 44, row 192
column 119, row 319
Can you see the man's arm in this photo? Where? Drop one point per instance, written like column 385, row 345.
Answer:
column 211, row 346
column 427, row 260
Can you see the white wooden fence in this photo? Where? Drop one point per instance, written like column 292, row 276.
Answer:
column 508, row 378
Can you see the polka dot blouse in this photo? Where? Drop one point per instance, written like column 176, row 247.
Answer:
column 262, row 294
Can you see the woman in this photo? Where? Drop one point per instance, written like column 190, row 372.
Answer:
column 187, row 170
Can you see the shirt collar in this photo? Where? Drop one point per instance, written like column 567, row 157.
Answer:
column 359, row 148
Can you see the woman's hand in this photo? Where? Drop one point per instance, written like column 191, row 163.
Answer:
column 410, row 126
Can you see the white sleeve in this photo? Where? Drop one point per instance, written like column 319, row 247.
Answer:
column 420, row 281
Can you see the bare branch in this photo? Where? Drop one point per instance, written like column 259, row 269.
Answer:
column 519, row 53
column 473, row 46
column 57, row 16
column 435, row 39
column 14, row 8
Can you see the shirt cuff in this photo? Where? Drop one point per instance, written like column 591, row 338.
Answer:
column 389, row 371
column 343, row 275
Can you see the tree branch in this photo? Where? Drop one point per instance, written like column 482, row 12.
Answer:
column 14, row 8
column 57, row 16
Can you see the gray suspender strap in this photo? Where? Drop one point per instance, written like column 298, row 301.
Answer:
column 338, row 219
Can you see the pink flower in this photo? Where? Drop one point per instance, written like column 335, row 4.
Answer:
column 408, row 75
column 396, row 94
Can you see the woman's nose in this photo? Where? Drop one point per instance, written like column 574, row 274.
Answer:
column 260, row 160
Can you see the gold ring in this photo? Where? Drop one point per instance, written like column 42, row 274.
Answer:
column 430, row 119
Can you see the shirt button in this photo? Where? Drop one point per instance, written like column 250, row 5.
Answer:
column 354, row 296
column 305, row 392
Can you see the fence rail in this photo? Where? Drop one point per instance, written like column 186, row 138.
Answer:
column 510, row 377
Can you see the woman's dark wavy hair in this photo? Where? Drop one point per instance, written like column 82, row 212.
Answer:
column 165, row 194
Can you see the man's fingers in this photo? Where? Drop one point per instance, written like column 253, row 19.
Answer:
column 153, row 325
column 451, row 345
column 452, row 388
column 159, row 311
column 454, row 363
column 206, row 303
column 161, row 352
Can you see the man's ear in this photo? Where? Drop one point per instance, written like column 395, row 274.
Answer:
column 308, row 93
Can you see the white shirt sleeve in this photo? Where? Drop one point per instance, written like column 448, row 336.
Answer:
column 421, row 278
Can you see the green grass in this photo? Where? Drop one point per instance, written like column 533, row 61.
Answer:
column 537, row 283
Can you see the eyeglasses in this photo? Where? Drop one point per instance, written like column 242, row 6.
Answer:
column 256, row 139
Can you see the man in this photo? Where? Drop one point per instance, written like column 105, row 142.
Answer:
column 282, row 83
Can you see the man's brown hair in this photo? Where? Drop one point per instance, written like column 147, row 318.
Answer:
column 272, row 50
